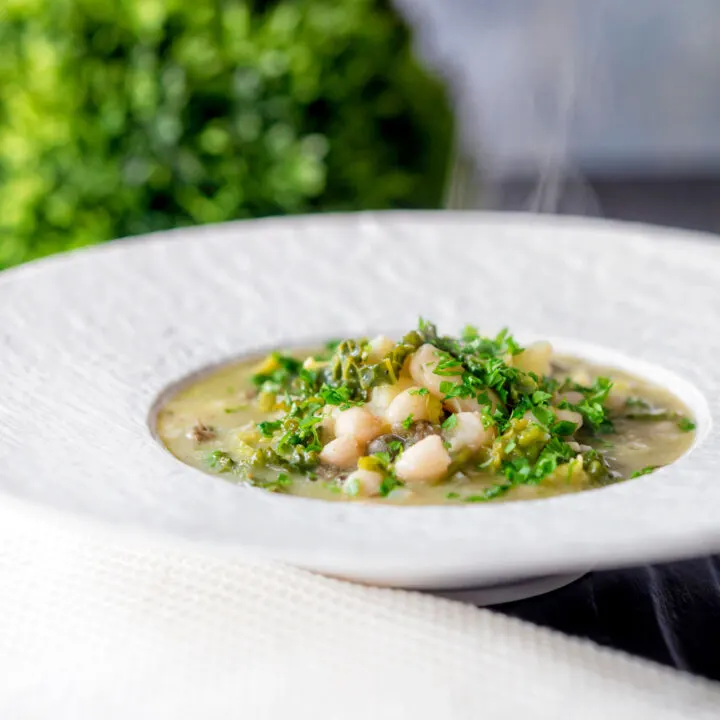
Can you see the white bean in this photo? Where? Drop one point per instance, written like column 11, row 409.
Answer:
column 409, row 402
column 581, row 377
column 562, row 415
column 327, row 424
column 578, row 447
column 618, row 395
column 425, row 462
column 363, row 482
column 382, row 395
column 402, row 494
column 458, row 405
column 358, row 423
column 469, row 432
column 573, row 397
column 380, row 346
column 342, row 452
column 422, row 364
column 535, row 358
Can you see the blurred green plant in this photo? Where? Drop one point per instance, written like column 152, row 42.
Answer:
column 120, row 117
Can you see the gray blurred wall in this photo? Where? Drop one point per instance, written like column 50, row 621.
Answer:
column 603, row 86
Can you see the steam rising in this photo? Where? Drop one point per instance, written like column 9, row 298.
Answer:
column 546, row 63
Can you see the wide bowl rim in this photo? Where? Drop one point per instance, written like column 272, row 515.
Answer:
column 693, row 532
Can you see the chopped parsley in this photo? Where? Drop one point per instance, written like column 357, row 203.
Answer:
column 564, row 428
column 335, row 395
column 685, row 424
column 540, row 396
column 528, row 441
column 592, row 406
column 491, row 493
column 275, row 372
column 237, row 408
column 395, row 447
column 645, row 471
column 280, row 484
column 450, row 422
column 267, row 428
column 388, row 484
column 221, row 461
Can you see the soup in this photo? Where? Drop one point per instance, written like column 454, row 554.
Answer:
column 429, row 419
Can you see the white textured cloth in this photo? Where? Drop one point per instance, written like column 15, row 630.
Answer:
column 95, row 624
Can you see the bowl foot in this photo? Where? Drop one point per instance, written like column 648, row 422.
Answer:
column 510, row 591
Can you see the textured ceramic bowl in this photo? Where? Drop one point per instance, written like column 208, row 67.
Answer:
column 90, row 341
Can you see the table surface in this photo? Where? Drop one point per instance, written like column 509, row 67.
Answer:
column 669, row 613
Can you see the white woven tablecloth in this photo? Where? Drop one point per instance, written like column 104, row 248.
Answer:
column 95, row 624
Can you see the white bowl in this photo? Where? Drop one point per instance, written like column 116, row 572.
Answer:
column 89, row 341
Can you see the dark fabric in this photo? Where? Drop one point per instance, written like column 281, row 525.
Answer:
column 668, row 613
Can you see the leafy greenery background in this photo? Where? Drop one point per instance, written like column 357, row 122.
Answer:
column 119, row 117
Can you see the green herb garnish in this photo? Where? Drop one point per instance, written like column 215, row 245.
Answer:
column 490, row 494
column 280, row 484
column 645, row 471
column 564, row 428
column 635, row 402
column 388, row 484
column 686, row 425
column 268, row 427
column 221, row 461
column 531, row 444
column 592, row 407
column 395, row 447
column 540, row 396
